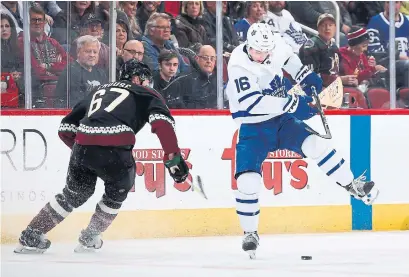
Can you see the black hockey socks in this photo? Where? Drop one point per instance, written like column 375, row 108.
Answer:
column 52, row 214
column 105, row 213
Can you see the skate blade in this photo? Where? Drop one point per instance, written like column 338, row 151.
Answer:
column 85, row 249
column 371, row 197
column 20, row 249
column 252, row 254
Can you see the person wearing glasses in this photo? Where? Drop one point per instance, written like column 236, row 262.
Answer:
column 48, row 57
column 133, row 49
column 198, row 89
column 157, row 38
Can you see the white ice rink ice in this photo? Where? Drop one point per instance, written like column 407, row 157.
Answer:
column 383, row 254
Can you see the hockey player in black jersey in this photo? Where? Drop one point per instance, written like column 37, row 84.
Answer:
column 101, row 130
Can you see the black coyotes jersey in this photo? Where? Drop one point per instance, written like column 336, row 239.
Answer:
column 112, row 114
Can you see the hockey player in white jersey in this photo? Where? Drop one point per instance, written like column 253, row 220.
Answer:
column 271, row 119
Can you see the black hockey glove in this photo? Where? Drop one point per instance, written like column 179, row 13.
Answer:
column 178, row 168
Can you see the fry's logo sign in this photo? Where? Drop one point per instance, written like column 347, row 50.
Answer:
column 273, row 170
column 149, row 164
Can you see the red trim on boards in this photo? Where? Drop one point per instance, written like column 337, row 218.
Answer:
column 39, row 112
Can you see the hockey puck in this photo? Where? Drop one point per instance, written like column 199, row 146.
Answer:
column 305, row 258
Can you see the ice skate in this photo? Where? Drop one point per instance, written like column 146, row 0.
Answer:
column 363, row 190
column 88, row 242
column 32, row 241
column 250, row 243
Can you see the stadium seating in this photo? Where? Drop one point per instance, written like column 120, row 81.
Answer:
column 9, row 91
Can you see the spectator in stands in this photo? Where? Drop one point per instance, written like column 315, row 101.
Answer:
column 51, row 10
column 189, row 28
column 353, row 58
column 307, row 13
column 236, row 10
column 321, row 53
column 79, row 9
column 14, row 9
column 133, row 49
column 93, row 26
column 362, row 11
column 254, row 13
column 230, row 38
column 82, row 74
column 129, row 8
column 48, row 58
column 346, row 18
column 378, row 29
column 122, row 35
column 157, row 35
column 144, row 12
column 10, row 61
column 198, row 89
column 102, row 11
column 168, row 67
column 282, row 21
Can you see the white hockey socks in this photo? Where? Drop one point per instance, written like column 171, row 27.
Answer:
column 328, row 159
column 247, row 205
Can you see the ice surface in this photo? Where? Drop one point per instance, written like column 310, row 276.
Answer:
column 384, row 254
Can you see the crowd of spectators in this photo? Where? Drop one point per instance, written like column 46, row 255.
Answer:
column 70, row 48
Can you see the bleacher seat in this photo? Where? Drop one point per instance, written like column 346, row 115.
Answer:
column 9, row 91
column 356, row 98
column 48, row 89
column 403, row 94
column 379, row 98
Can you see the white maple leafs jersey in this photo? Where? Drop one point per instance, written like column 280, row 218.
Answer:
column 289, row 29
column 254, row 90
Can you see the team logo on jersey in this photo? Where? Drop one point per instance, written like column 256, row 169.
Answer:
column 92, row 84
column 334, row 64
column 309, row 43
column 297, row 35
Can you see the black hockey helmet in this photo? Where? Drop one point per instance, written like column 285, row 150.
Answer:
column 134, row 67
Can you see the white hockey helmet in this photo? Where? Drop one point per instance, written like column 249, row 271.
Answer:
column 260, row 37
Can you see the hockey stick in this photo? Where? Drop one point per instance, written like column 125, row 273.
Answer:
column 197, row 185
column 317, row 100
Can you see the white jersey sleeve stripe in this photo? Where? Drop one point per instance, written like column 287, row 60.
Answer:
column 255, row 103
column 248, row 96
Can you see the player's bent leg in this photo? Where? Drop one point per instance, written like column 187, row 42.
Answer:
column 248, row 209
column 336, row 167
column 79, row 188
column 106, row 210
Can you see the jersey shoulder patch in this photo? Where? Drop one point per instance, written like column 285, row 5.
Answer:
column 309, row 43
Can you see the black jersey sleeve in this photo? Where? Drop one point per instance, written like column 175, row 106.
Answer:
column 162, row 123
column 69, row 124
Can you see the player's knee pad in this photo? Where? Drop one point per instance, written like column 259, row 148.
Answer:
column 314, row 147
column 77, row 198
column 108, row 205
column 249, row 183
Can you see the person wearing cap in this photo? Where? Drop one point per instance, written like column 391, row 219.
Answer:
column 354, row 61
column 93, row 25
column 320, row 52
